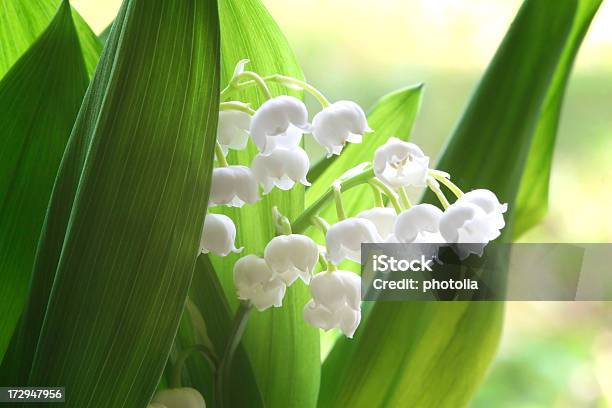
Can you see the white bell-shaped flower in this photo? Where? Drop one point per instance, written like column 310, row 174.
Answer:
column 338, row 123
column 420, row 223
column 488, row 201
column 185, row 397
column 345, row 237
column 233, row 186
column 401, row 164
column 282, row 168
column 383, row 219
column 279, row 122
column 218, row 235
column 336, row 301
column 255, row 281
column 469, row 226
column 291, row 257
column 233, row 129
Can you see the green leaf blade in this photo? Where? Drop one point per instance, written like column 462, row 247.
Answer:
column 145, row 137
column 532, row 200
column 488, row 149
column 35, row 133
column 22, row 22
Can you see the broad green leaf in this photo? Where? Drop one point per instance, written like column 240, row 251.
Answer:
column 103, row 36
column 128, row 206
column 392, row 116
column 436, row 354
column 532, row 201
column 21, row 22
column 214, row 324
column 277, row 340
column 40, row 97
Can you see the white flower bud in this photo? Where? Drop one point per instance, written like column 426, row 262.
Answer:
column 400, row 164
column 344, row 239
column 383, row 219
column 488, row 201
column 277, row 122
column 239, row 69
column 281, row 168
column 233, row 129
column 233, row 186
column 178, row 398
column 255, row 281
column 420, row 223
column 336, row 301
column 292, row 256
column 218, row 235
column 468, row 225
column 338, row 123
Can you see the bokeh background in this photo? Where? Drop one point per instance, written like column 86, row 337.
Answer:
column 552, row 354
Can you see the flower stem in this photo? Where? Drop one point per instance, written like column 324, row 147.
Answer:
column 259, row 81
column 378, row 199
column 388, row 192
column 239, row 106
column 290, row 81
column 283, row 80
column 442, row 178
column 323, row 262
column 304, row 220
column 338, row 199
column 177, row 368
column 404, row 198
column 219, row 155
column 435, row 187
column 222, row 378
column 320, row 223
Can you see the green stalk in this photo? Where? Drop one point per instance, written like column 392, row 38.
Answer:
column 338, row 199
column 449, row 184
column 303, row 221
column 378, row 198
column 436, row 189
column 388, row 192
column 404, row 198
column 239, row 106
column 240, row 321
column 177, row 368
column 259, row 81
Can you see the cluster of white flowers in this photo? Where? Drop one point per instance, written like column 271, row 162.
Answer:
column 276, row 129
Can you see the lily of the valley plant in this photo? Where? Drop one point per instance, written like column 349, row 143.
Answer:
column 277, row 128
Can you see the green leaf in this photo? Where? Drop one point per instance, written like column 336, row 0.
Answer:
column 436, row 354
column 532, row 201
column 103, row 36
column 277, row 340
column 40, row 97
column 123, row 228
column 393, row 115
column 214, row 324
column 21, row 22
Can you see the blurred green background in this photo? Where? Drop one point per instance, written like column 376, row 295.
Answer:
column 552, row 354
